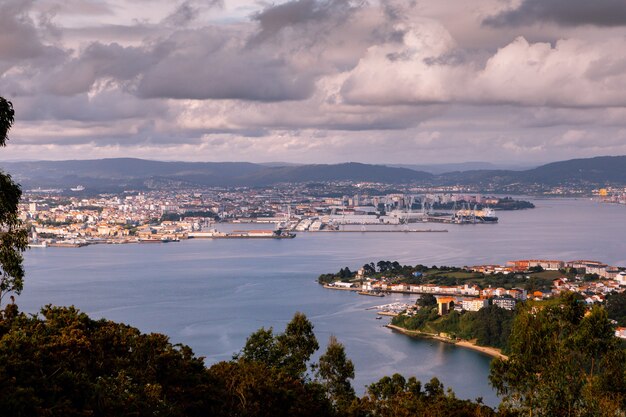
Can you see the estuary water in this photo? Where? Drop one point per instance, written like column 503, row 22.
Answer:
column 211, row 294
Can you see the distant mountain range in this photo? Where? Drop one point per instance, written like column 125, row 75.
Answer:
column 588, row 172
column 462, row 166
column 129, row 173
column 124, row 173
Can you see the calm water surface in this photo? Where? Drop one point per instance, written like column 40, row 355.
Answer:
column 211, row 294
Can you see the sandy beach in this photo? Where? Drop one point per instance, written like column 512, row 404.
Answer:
column 491, row 351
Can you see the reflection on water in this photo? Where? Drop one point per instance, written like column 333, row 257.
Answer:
column 211, row 294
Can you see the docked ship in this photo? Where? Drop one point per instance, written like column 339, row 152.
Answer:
column 244, row 234
column 486, row 215
column 261, row 234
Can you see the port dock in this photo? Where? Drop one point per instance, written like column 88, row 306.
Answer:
column 378, row 231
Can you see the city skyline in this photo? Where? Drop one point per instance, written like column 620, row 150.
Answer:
column 315, row 81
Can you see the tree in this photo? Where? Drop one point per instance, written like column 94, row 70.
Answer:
column 426, row 300
column 384, row 266
column 616, row 307
column 261, row 347
column 561, row 362
column 296, row 345
column 369, row 269
column 62, row 363
column 252, row 389
column 397, row 397
column 335, row 371
column 13, row 237
column 288, row 352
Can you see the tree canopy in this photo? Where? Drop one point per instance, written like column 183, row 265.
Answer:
column 13, row 237
column 63, row 363
column 562, row 362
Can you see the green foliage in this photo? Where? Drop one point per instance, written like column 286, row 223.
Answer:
column 616, row 307
column 426, row 301
column 261, row 346
column 288, row 352
column 344, row 274
column 369, row 269
column 416, row 322
column 13, row 237
column 335, row 371
column 327, row 278
column 297, row 344
column 397, row 397
column 252, row 389
column 490, row 326
column 63, row 363
column 7, row 117
column 561, row 362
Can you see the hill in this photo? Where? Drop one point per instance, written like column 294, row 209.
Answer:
column 589, row 172
column 598, row 170
column 118, row 173
column 102, row 175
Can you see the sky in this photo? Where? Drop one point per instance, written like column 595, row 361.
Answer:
column 315, row 81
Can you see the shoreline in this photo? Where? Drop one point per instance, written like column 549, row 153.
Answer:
column 490, row 351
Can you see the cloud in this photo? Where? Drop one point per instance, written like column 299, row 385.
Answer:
column 184, row 14
column 562, row 12
column 562, row 75
column 273, row 19
column 109, row 105
column 19, row 38
column 97, row 62
column 74, row 7
column 572, row 73
column 188, row 11
column 211, row 64
column 307, row 80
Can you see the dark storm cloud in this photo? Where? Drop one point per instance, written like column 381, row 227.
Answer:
column 189, row 10
column 215, row 64
column 299, row 12
column 104, row 107
column 18, row 36
column 185, row 13
column 225, row 76
column 563, row 12
column 198, row 64
column 95, row 62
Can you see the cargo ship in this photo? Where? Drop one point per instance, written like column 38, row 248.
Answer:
column 244, row 234
column 261, row 234
column 486, row 215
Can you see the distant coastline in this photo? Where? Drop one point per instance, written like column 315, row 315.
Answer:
column 490, row 351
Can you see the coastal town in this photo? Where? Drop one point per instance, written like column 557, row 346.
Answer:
column 77, row 219
column 527, row 280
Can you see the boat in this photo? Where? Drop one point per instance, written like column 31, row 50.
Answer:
column 371, row 293
column 78, row 188
column 38, row 245
column 485, row 215
column 259, row 234
column 243, row 234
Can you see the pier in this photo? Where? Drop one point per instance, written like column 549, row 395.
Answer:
column 378, row 231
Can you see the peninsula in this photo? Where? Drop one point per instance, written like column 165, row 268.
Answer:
column 474, row 307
